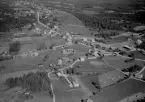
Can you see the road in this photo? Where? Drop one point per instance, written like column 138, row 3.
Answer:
column 51, row 86
column 62, row 69
column 70, row 66
column 38, row 20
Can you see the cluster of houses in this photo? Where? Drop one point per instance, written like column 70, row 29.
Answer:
column 68, row 51
column 63, row 60
column 5, row 56
column 30, row 53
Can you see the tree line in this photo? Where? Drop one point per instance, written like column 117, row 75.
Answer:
column 133, row 68
column 32, row 82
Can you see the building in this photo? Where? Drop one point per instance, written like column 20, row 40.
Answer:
column 59, row 74
column 85, row 39
column 139, row 41
column 126, row 47
column 96, row 54
column 75, row 84
column 82, row 58
column 60, row 62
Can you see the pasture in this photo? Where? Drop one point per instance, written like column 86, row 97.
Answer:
column 87, row 66
column 120, row 91
column 64, row 93
column 118, row 62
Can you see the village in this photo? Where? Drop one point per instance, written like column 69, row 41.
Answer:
column 75, row 61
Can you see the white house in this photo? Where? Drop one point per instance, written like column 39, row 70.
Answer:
column 82, row 59
column 139, row 41
column 59, row 74
column 60, row 62
column 76, row 84
column 96, row 54
column 84, row 39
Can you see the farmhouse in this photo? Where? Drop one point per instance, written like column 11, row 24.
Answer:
column 126, row 47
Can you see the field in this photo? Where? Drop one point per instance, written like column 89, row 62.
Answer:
column 74, row 27
column 41, row 97
column 87, row 66
column 137, row 54
column 87, row 81
column 79, row 48
column 118, row 62
column 110, row 78
column 20, row 64
column 65, row 94
column 102, row 81
column 118, row 39
column 120, row 91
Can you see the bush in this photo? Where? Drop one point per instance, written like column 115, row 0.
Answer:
column 14, row 47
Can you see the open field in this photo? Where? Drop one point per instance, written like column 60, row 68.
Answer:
column 20, row 64
column 118, row 62
column 118, row 39
column 76, row 28
column 41, row 97
column 63, row 94
column 88, row 67
column 102, row 81
column 120, row 91
column 110, row 78
column 79, row 48
column 87, row 81
column 11, row 94
column 137, row 54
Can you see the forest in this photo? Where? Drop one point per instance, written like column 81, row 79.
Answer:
column 32, row 82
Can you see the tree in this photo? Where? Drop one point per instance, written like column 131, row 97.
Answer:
column 51, row 46
column 14, row 47
column 131, row 55
column 33, row 82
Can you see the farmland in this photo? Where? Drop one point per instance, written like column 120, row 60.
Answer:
column 119, row 62
column 70, row 50
column 120, row 91
column 97, row 68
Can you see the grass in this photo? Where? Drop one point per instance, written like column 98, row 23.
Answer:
column 138, row 55
column 20, row 64
column 41, row 97
column 120, row 91
column 76, row 29
column 79, row 48
column 62, row 95
column 87, row 67
column 118, row 62
column 107, row 78
column 118, row 39
column 87, row 80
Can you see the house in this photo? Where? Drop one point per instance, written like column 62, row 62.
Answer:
column 59, row 74
column 85, row 39
column 96, row 54
column 82, row 58
column 139, row 41
column 126, row 47
column 76, row 84
column 60, row 62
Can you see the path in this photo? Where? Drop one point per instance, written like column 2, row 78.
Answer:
column 51, row 86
